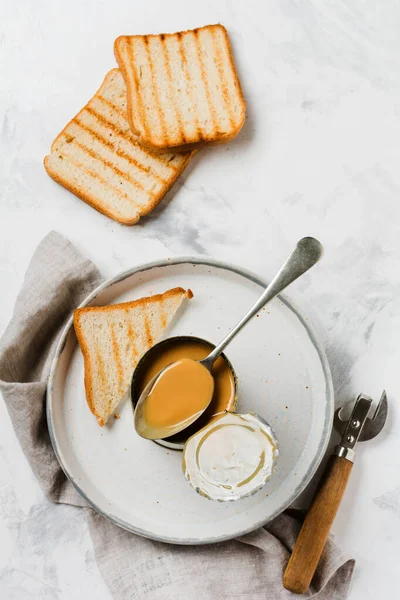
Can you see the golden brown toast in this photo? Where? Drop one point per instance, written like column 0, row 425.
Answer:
column 97, row 157
column 114, row 338
column 182, row 88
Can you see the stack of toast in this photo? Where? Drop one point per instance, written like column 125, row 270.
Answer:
column 172, row 94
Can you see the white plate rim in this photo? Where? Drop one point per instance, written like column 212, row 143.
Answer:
column 325, row 437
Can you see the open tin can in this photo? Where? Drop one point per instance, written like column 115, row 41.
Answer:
column 142, row 374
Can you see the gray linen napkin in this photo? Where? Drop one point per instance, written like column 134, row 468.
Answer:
column 250, row 567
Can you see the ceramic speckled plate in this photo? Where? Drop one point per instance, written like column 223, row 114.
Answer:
column 283, row 376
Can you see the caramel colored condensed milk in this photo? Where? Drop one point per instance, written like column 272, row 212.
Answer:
column 179, row 396
column 184, row 389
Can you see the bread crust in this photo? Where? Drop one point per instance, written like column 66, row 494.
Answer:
column 88, row 371
column 147, row 140
column 89, row 198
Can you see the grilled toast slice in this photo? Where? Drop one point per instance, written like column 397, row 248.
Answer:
column 114, row 338
column 97, row 157
column 182, row 88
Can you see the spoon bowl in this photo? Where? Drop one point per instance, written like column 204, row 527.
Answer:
column 178, row 440
column 174, row 398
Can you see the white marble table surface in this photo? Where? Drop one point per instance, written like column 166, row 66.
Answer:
column 319, row 156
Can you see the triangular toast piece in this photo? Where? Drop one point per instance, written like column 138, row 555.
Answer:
column 182, row 88
column 97, row 158
column 114, row 338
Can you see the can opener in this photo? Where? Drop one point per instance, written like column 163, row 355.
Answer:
column 321, row 514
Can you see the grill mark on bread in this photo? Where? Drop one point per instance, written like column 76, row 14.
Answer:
column 163, row 319
column 117, row 358
column 121, row 134
column 187, row 76
column 121, row 153
column 236, row 82
column 189, row 80
column 165, row 52
column 223, row 82
column 204, row 79
column 101, row 370
column 98, row 135
column 103, row 181
column 109, row 164
column 131, row 337
column 140, row 108
column 111, row 105
column 106, row 122
column 154, row 86
column 149, row 337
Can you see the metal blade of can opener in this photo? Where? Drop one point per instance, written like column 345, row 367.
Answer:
column 359, row 427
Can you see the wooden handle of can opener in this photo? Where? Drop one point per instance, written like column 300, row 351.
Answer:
column 314, row 533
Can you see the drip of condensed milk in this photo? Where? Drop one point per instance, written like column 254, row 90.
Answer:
column 179, row 396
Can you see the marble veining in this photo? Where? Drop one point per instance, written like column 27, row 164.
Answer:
column 390, row 501
column 318, row 155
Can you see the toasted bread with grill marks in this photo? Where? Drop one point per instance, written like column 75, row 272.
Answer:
column 182, row 88
column 97, row 157
column 114, row 338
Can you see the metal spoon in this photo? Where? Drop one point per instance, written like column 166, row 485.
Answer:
column 306, row 253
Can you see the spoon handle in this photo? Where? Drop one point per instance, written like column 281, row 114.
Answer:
column 306, row 253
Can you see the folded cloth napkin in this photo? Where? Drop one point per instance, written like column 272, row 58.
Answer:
column 249, row 567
